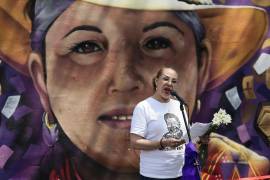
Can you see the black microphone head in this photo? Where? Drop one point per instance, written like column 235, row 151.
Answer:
column 173, row 93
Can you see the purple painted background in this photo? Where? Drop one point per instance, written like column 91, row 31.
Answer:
column 24, row 148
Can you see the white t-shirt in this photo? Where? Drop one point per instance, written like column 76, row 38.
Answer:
column 153, row 120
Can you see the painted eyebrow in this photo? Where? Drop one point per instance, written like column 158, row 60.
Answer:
column 161, row 24
column 84, row 28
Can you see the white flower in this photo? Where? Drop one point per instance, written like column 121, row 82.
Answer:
column 221, row 117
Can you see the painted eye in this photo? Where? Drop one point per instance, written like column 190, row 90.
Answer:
column 86, row 47
column 157, row 43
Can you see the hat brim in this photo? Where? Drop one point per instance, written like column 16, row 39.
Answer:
column 235, row 35
column 235, row 32
column 14, row 35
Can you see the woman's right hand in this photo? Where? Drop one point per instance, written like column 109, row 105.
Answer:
column 171, row 142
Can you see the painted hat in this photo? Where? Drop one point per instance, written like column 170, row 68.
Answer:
column 235, row 32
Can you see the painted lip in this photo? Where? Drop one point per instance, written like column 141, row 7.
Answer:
column 117, row 118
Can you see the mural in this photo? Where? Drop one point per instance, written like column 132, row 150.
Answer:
column 72, row 71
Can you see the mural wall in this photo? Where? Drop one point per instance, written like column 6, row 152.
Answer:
column 71, row 72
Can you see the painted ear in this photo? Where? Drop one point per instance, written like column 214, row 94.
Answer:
column 35, row 67
column 204, row 67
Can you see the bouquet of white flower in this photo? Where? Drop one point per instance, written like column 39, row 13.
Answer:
column 221, row 118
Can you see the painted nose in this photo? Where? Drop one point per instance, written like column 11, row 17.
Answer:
column 126, row 80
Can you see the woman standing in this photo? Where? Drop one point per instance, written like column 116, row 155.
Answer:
column 157, row 128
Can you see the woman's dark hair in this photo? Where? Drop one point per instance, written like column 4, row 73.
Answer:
column 156, row 77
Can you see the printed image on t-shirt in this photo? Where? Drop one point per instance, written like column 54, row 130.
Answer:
column 174, row 128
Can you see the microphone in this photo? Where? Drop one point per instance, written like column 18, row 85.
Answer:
column 173, row 93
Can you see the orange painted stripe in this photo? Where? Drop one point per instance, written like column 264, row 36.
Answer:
column 252, row 169
column 256, row 178
column 214, row 157
column 217, row 160
column 235, row 174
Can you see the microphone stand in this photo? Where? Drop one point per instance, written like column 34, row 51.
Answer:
column 196, row 163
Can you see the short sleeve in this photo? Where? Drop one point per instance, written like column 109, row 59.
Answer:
column 138, row 121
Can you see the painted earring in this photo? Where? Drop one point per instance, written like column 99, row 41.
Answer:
column 49, row 130
column 50, row 124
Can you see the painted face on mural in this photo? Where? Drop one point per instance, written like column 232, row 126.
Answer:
column 100, row 62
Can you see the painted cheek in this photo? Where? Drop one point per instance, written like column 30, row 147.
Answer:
column 74, row 78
